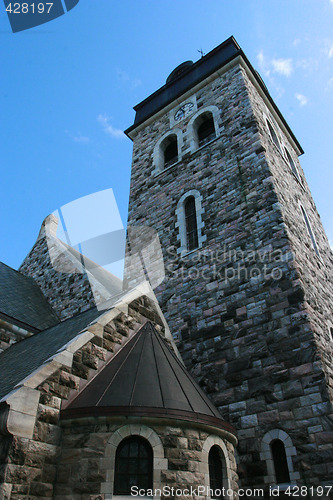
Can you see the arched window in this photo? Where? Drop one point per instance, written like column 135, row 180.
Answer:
column 280, row 461
column 273, row 134
column 205, row 128
column 215, row 471
column 292, row 164
column 170, row 150
column 191, row 223
column 309, row 228
column 133, row 465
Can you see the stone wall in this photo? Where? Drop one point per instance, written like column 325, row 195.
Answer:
column 28, row 470
column 249, row 308
column 87, row 459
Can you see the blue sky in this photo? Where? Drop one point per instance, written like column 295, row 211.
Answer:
column 68, row 89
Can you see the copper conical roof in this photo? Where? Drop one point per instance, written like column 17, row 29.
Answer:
column 145, row 378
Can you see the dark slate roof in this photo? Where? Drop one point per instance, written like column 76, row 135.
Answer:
column 23, row 358
column 145, row 379
column 22, row 302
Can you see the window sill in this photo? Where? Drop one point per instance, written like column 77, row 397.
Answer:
column 170, row 167
column 206, row 144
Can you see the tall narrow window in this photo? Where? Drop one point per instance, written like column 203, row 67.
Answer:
column 309, row 228
column 280, row 461
column 292, row 165
column 206, row 128
column 133, row 465
column 191, row 223
column 215, row 471
column 170, row 151
column 273, row 134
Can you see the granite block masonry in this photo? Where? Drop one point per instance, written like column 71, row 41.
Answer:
column 251, row 305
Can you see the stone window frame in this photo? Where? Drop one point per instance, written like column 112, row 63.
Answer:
column 181, row 223
column 310, row 232
column 191, row 127
column 211, row 441
column 266, row 454
column 158, row 153
column 108, row 461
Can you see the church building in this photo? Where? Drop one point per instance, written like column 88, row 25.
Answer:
column 213, row 382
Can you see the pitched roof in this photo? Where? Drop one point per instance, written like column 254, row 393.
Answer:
column 22, row 302
column 26, row 356
column 145, row 378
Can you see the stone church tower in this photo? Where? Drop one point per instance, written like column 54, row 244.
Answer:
column 248, row 291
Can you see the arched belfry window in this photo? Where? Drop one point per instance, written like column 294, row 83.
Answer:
column 191, row 223
column 167, row 150
column 205, row 128
column 280, row 461
column 133, row 465
column 170, row 150
column 215, row 466
column 273, row 134
column 292, row 164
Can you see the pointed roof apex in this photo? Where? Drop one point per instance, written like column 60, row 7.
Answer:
column 145, row 379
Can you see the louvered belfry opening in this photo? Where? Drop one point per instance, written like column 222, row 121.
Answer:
column 191, row 223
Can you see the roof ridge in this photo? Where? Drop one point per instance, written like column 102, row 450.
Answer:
column 203, row 396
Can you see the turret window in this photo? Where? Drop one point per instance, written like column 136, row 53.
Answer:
column 133, row 465
column 215, row 472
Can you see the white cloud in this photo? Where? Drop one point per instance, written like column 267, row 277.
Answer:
column 109, row 129
column 78, row 137
column 302, row 99
column 81, row 138
column 330, row 52
column 263, row 64
column 296, row 42
column 282, row 66
column 124, row 77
